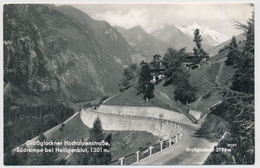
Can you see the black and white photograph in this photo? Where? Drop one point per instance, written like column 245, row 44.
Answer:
column 128, row 84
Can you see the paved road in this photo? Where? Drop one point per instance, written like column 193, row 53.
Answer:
column 177, row 154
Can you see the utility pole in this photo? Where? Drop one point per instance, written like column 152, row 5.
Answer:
column 161, row 116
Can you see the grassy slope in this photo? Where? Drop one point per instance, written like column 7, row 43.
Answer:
column 199, row 78
column 169, row 92
column 129, row 98
column 77, row 106
column 203, row 86
column 73, row 130
column 203, row 79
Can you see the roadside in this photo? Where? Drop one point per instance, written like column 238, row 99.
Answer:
column 179, row 154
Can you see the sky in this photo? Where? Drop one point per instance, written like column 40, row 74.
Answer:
column 218, row 16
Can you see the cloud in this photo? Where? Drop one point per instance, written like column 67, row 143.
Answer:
column 128, row 20
column 151, row 16
column 216, row 11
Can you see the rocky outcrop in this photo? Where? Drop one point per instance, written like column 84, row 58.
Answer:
column 59, row 53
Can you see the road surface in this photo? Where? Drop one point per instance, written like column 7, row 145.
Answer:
column 178, row 154
column 185, row 152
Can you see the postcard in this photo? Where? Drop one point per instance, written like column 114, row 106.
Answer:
column 129, row 84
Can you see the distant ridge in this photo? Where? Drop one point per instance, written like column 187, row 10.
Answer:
column 143, row 42
column 180, row 36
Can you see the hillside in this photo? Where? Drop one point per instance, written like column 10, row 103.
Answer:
column 129, row 98
column 107, row 35
column 123, row 142
column 58, row 53
column 174, row 36
column 120, row 29
column 204, row 79
column 143, row 42
column 213, row 51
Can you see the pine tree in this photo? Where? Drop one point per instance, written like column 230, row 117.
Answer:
column 238, row 101
column 233, row 54
column 96, row 134
column 198, row 50
column 144, row 85
column 243, row 79
column 107, row 155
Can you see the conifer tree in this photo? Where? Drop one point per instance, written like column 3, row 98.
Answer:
column 144, row 85
column 233, row 54
column 243, row 79
column 96, row 134
column 239, row 103
column 198, row 50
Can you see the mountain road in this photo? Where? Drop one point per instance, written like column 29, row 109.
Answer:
column 189, row 150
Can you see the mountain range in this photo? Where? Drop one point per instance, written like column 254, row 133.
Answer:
column 167, row 36
column 210, row 37
column 143, row 42
column 60, row 53
column 180, row 36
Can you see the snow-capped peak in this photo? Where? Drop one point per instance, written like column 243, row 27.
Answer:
column 210, row 36
column 194, row 26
